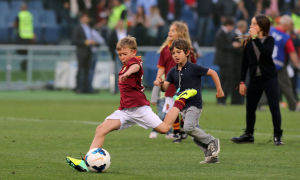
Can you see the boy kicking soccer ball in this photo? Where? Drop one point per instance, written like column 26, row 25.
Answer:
column 134, row 107
column 186, row 75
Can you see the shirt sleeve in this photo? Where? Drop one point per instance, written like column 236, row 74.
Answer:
column 201, row 71
column 134, row 61
column 289, row 46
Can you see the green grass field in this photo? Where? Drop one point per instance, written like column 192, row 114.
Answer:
column 40, row 128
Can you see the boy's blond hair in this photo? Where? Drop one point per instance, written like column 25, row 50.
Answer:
column 182, row 32
column 129, row 42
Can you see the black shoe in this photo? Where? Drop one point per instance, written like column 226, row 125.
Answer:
column 277, row 141
column 245, row 138
column 277, row 138
column 183, row 135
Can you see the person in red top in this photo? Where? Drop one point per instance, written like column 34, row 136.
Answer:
column 165, row 63
column 134, row 107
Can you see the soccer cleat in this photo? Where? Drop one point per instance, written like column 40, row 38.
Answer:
column 77, row 164
column 214, row 147
column 153, row 135
column 244, row 138
column 187, row 94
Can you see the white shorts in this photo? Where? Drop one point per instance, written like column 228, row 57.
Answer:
column 169, row 102
column 142, row 116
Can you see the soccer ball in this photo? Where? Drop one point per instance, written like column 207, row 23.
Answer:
column 97, row 160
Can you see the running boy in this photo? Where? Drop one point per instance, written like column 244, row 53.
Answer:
column 187, row 75
column 134, row 107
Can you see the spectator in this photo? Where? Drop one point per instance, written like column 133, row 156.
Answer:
column 227, row 9
column 116, row 35
column 283, row 48
column 131, row 11
column 25, row 31
column 257, row 58
column 156, row 24
column 205, row 22
column 146, row 4
column 89, row 6
column 101, row 20
column 170, row 10
column 286, row 6
column 140, row 25
column 85, row 38
column 240, row 31
column 118, row 12
column 272, row 9
column 66, row 21
column 249, row 8
column 224, row 57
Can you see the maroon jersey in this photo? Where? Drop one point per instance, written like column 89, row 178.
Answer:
column 166, row 61
column 132, row 90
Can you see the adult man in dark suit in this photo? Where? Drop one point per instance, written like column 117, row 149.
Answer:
column 86, row 39
column 224, row 57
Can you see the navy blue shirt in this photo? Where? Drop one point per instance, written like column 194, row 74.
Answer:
column 190, row 76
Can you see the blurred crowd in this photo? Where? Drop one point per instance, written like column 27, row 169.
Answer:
column 149, row 20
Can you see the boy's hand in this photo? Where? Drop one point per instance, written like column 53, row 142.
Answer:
column 243, row 89
column 220, row 93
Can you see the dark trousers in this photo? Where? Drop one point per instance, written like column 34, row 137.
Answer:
column 82, row 76
column 254, row 92
column 226, row 78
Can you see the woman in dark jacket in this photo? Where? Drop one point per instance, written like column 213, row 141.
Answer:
column 257, row 57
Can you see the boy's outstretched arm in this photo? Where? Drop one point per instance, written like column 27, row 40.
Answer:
column 132, row 69
column 217, row 82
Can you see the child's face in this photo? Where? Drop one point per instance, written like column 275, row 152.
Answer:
column 172, row 34
column 125, row 54
column 179, row 56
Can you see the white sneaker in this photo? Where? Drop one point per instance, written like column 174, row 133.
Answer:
column 153, row 135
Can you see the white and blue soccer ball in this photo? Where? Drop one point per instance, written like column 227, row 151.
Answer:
column 97, row 160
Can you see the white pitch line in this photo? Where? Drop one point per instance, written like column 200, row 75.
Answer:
column 97, row 123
